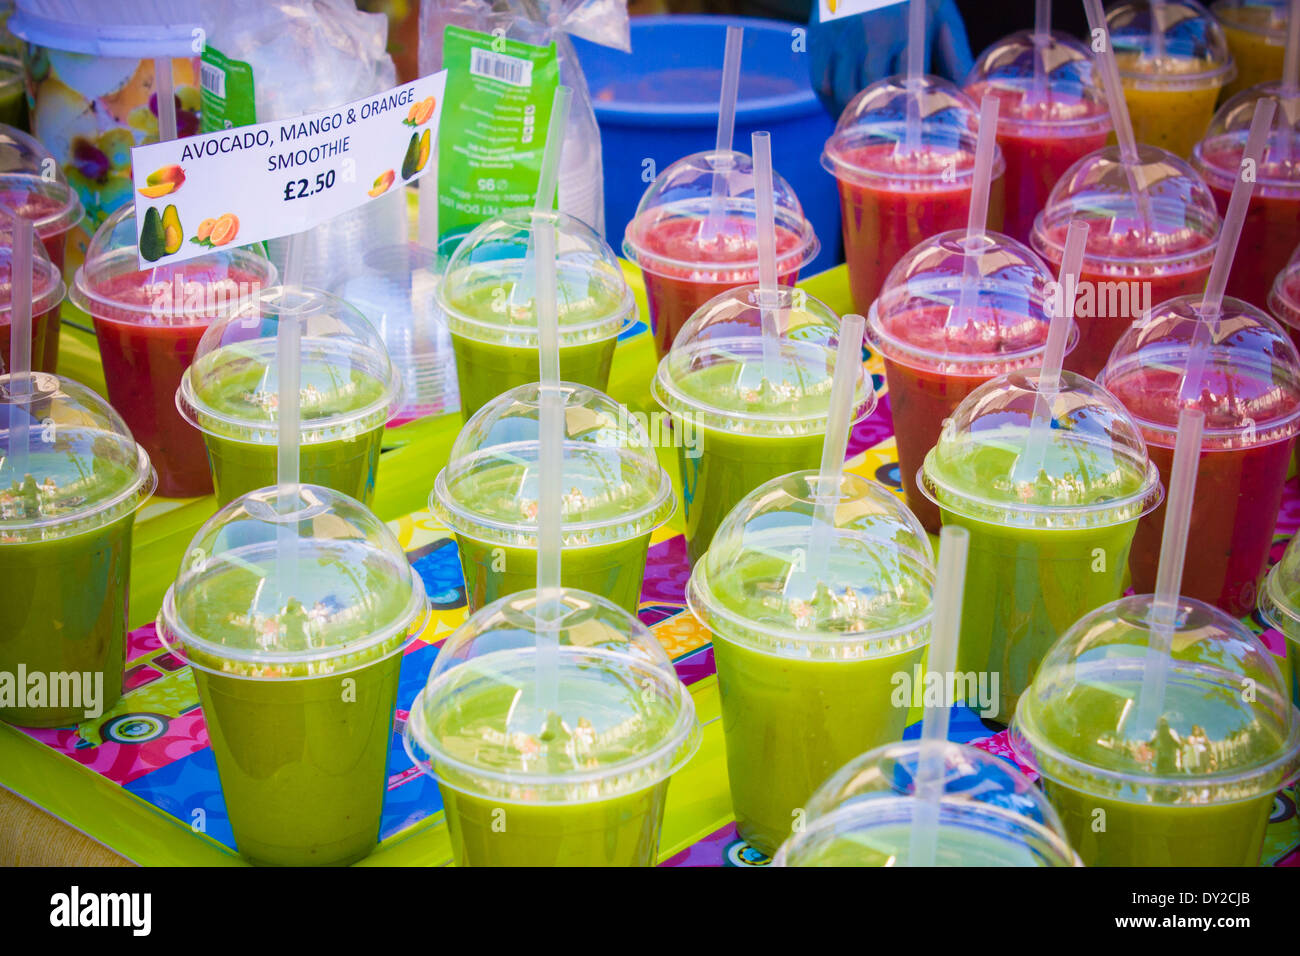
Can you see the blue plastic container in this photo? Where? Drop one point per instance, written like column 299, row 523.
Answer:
column 660, row 103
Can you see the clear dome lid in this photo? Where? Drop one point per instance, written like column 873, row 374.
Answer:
column 47, row 281
column 488, row 294
column 1218, row 156
column 1170, row 218
column 1266, row 18
column 1065, row 93
column 51, row 204
column 866, row 146
column 617, row 719
column 793, row 577
column 1248, row 387
column 1090, row 469
column 977, row 306
column 1279, row 599
column 1172, row 43
column 1083, row 722
column 717, row 375
column 68, row 463
column 347, row 384
column 1284, row 297
column 670, row 231
column 267, row 592
column 990, row 814
column 20, row 152
column 110, row 283
column 614, row 486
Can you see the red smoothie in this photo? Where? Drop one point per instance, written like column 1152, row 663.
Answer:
column 1284, row 300
column 47, row 293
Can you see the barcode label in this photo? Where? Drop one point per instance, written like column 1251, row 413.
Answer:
column 213, row 79
column 500, row 66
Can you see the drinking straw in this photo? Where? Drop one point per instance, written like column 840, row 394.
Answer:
column 550, row 469
column 1291, row 59
column 726, row 130
column 1169, row 575
column 944, row 634
column 20, row 342
column 768, row 291
column 915, row 74
column 977, row 217
column 289, row 415
column 1157, row 32
column 1030, row 462
column 548, row 179
column 164, row 90
column 1042, row 40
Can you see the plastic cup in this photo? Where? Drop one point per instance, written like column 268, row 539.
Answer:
column 349, row 389
column 1250, row 394
column 47, row 293
column 149, row 323
column 616, row 494
column 487, row 296
column 891, row 199
column 1256, row 35
column 13, row 92
column 1131, row 262
column 990, row 814
column 1195, row 789
column 1272, row 226
column 65, row 546
column 931, row 365
column 1279, row 603
column 735, row 429
column 1049, row 541
column 296, row 663
column 809, row 653
column 1284, row 297
column 684, row 264
column 1172, row 80
column 1043, row 131
column 576, row 779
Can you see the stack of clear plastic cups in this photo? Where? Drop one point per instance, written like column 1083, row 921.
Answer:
column 47, row 293
column 488, row 296
column 989, row 813
column 1279, row 603
column 71, row 480
column 348, row 390
column 892, row 198
column 1142, row 248
column 394, row 290
column 1172, row 66
column 570, row 773
column 1249, row 390
column 687, row 259
column 1193, row 783
column 1256, row 35
column 935, row 356
column 1051, row 514
column 1272, row 225
column 811, row 647
column 615, row 495
column 294, row 623
column 1043, row 129
column 148, row 323
column 736, row 422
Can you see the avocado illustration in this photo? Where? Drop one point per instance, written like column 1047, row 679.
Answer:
column 153, row 240
column 173, row 235
column 411, row 160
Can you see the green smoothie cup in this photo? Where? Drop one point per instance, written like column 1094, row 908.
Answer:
column 1192, row 786
column 487, row 297
column 1279, row 603
column 615, row 494
column 1050, row 523
column 294, row 623
column 71, row 480
column 349, row 389
column 811, row 654
column 567, row 771
column 989, row 813
column 752, row 413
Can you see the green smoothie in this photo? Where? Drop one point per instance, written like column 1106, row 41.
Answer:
column 1279, row 603
column 484, row 369
column 346, row 466
column 885, row 843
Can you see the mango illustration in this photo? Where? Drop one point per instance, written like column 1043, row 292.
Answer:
column 153, row 240
column 382, row 183
column 412, row 156
column 424, row 152
column 205, row 229
column 225, row 229
column 173, row 234
column 163, row 181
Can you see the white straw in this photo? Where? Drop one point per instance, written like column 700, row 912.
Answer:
column 726, row 131
column 768, row 293
column 550, row 497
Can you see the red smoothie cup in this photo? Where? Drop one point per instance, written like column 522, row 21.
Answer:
column 892, row 198
column 1249, row 390
column 1284, row 298
column 1272, row 226
column 934, row 357
column 149, row 323
column 1142, row 249
column 47, row 293
column 686, row 260
column 1046, row 123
